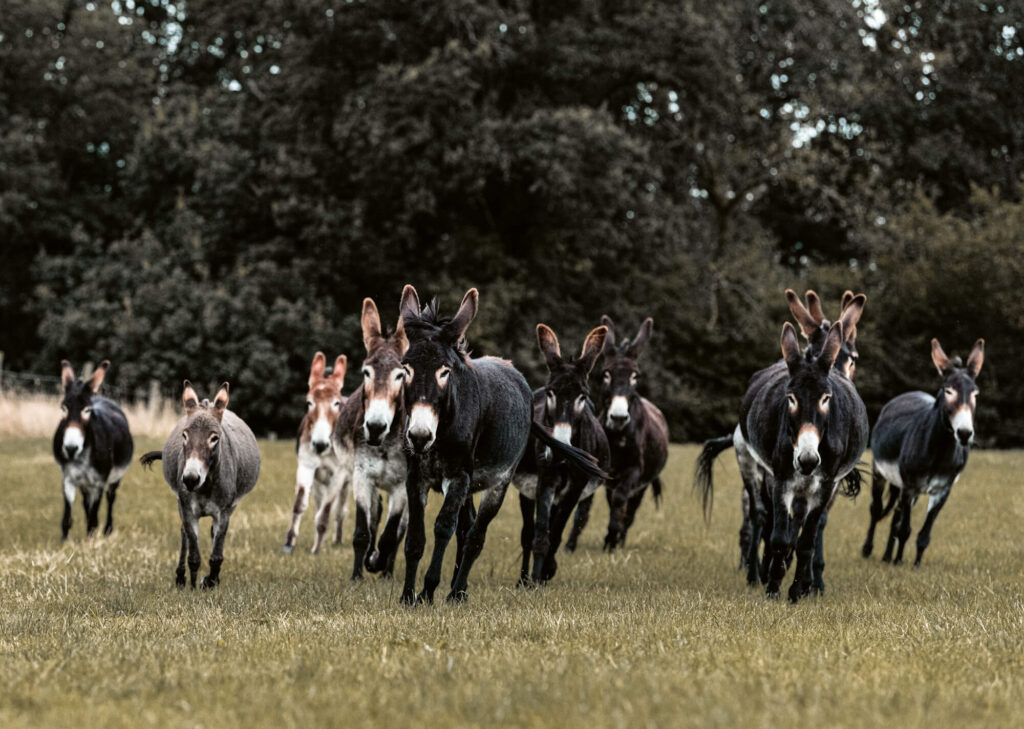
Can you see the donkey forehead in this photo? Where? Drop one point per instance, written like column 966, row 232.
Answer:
column 324, row 391
column 566, row 380
column 959, row 379
column 383, row 360
column 429, row 353
column 809, row 381
column 621, row 366
column 77, row 394
column 202, row 421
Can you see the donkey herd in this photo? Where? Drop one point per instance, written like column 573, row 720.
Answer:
column 429, row 417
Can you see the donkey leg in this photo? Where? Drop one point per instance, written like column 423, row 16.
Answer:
column 631, row 508
column 303, row 486
column 382, row 559
column 779, row 544
column 415, row 538
column 111, row 496
column 906, row 506
column 467, row 515
column 322, row 521
column 765, row 489
column 924, row 536
column 366, row 499
column 559, row 518
column 490, row 502
column 618, row 504
column 341, row 483
column 747, row 527
column 179, row 574
column 456, row 491
column 526, row 507
column 220, row 532
column 542, row 523
column 69, row 500
column 190, row 529
column 756, row 515
column 877, row 490
column 805, row 546
column 818, row 565
column 91, row 500
column 579, row 523
column 894, row 528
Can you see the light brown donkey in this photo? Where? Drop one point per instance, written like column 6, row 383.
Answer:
column 324, row 471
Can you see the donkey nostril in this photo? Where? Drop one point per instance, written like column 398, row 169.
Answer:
column 190, row 480
column 319, row 446
column 964, row 435
column 374, row 432
column 808, row 462
column 419, row 440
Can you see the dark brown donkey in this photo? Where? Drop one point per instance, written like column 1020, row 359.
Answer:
column 636, row 429
column 370, row 428
column 323, row 470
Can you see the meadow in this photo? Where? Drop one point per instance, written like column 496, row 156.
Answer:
column 662, row 634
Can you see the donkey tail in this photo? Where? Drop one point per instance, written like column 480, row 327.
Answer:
column 656, row 491
column 850, row 484
column 703, row 477
column 148, row 459
column 576, row 457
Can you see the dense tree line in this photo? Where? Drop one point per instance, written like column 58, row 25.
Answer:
column 209, row 188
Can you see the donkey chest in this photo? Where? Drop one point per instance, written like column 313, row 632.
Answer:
column 80, row 473
column 809, row 489
column 385, row 467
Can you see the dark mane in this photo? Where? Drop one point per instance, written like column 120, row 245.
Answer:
column 429, row 325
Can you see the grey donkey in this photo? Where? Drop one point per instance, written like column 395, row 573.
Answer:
column 211, row 460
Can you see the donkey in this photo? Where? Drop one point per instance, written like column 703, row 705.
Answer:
column 211, row 460
column 807, row 427
column 920, row 445
column 323, row 470
column 92, row 446
column 546, row 484
column 468, row 425
column 756, row 507
column 637, row 434
column 370, row 429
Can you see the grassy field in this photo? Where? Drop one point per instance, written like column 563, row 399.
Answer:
column 663, row 634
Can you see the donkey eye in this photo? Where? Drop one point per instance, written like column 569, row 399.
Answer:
column 309, row 404
column 607, row 378
column 184, row 436
column 793, row 404
column 407, row 369
column 399, row 375
column 367, row 374
column 551, row 400
column 63, row 411
column 633, row 378
column 336, row 404
column 824, row 401
column 214, row 440
column 86, row 411
column 950, row 392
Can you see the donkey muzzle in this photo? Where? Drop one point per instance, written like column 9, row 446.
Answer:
column 964, row 435
column 374, row 432
column 420, row 440
column 807, row 462
column 191, row 480
column 70, row 451
column 320, row 446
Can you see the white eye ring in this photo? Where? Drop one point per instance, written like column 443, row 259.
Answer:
column 367, row 374
column 793, row 404
column 214, row 439
column 551, row 400
column 184, row 436
column 633, row 378
column 607, row 378
column 87, row 410
column 824, row 401
column 336, row 404
column 309, row 404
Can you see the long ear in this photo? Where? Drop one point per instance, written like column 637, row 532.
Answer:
column 814, row 307
column 852, row 311
column 549, row 346
column 939, row 358
column 830, row 350
column 791, row 347
column 606, row 321
column 189, row 398
column 642, row 337
column 409, row 308
column 97, row 377
column 592, row 348
column 372, row 337
column 456, row 328
column 340, row 365
column 67, row 375
column 400, row 338
column 316, row 370
column 803, row 317
column 977, row 358
column 847, row 298
column 220, row 402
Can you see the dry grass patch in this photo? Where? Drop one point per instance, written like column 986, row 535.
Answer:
column 24, row 416
column 662, row 634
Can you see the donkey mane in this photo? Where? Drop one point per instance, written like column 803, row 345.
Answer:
column 429, row 325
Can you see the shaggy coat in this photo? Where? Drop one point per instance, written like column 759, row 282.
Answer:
column 210, row 461
column 92, row 446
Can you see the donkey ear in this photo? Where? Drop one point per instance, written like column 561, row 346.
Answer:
column 814, row 306
column 400, row 338
column 847, row 298
column 409, row 308
column 316, row 370
column 606, row 321
column 549, row 346
column 340, row 366
column 189, row 398
column 830, row 350
column 791, row 347
column 456, row 328
column 371, row 326
column 220, row 402
column 803, row 317
column 592, row 348
column 67, row 375
column 852, row 311
column 97, row 377
column 642, row 337
column 976, row 358
column 939, row 358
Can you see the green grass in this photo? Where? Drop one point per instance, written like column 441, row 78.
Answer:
column 663, row 634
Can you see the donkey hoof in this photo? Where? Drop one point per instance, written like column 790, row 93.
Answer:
column 795, row 593
column 179, row 581
column 525, row 582
column 287, row 549
column 108, row 530
column 865, row 551
column 357, row 577
column 374, row 563
column 209, row 583
column 897, row 562
column 457, row 597
column 408, row 598
column 423, row 597
column 772, row 593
